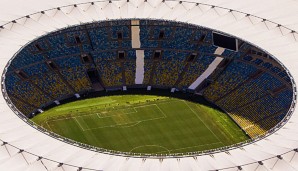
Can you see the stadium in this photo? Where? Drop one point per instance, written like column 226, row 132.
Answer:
column 148, row 85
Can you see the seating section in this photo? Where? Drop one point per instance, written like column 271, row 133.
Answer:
column 269, row 110
column 79, row 37
column 195, row 69
column 105, row 35
column 77, row 78
column 99, row 37
column 37, row 69
column 146, row 38
column 74, row 72
column 174, row 36
column 250, row 99
column 250, row 91
column 61, row 47
column 179, row 38
column 111, row 73
column 169, row 68
column 235, row 74
column 25, row 57
column 25, row 90
column 270, row 66
column 109, row 67
column 130, row 72
column 11, row 79
column 22, row 106
column 167, row 72
column 148, row 67
column 207, row 49
column 52, row 85
column 68, row 62
column 253, row 88
column 104, row 55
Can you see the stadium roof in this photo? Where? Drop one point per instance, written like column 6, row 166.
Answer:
column 269, row 24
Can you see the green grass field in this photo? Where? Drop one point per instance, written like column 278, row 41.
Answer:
column 142, row 124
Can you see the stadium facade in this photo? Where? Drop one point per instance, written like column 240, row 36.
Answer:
column 270, row 26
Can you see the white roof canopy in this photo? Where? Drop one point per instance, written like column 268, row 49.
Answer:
column 268, row 24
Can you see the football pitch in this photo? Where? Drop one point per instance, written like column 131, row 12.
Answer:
column 142, row 124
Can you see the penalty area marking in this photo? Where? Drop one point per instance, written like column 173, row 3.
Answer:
column 128, row 125
column 123, row 125
column 152, row 105
column 122, row 110
column 149, row 146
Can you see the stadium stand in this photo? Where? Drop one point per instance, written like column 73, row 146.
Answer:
column 231, row 77
column 130, row 72
column 252, row 87
column 195, row 69
column 25, row 90
column 77, row 78
column 52, row 84
column 168, row 68
column 111, row 73
column 250, row 96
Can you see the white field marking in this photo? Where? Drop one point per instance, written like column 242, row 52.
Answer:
column 104, row 112
column 164, row 116
column 125, row 123
column 67, row 108
column 107, row 116
column 149, row 146
column 123, row 113
column 193, row 146
column 153, row 105
column 60, row 119
column 161, row 111
column 135, row 111
column 202, row 121
column 224, row 127
column 97, row 115
column 227, row 122
column 49, row 126
column 78, row 123
column 130, row 125
column 54, row 120
column 74, row 117
column 101, row 112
